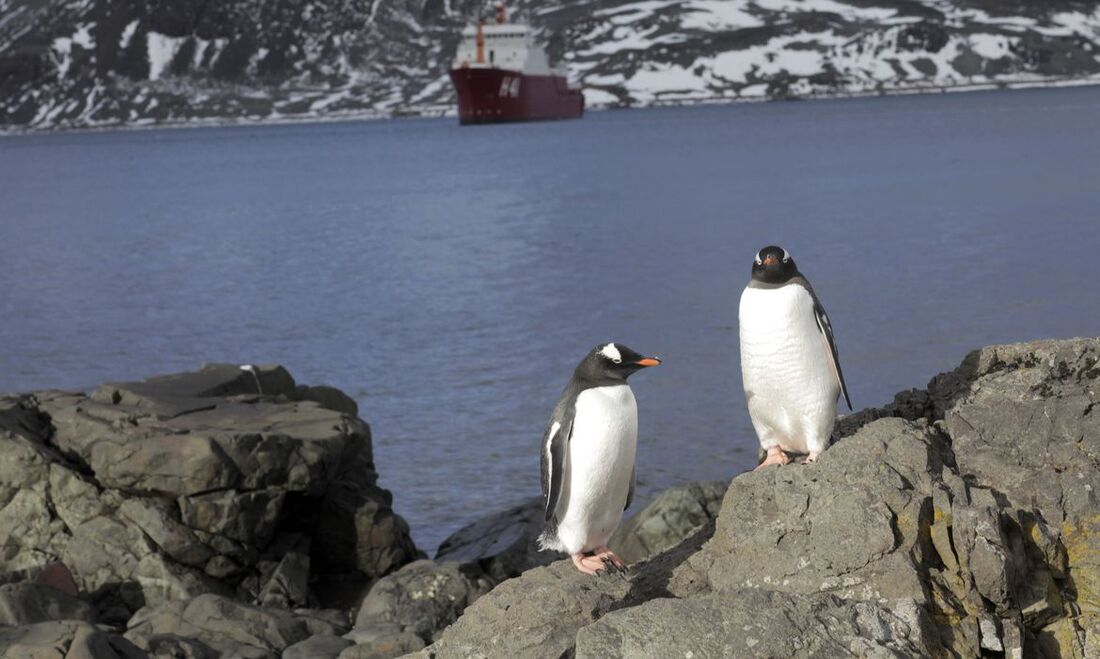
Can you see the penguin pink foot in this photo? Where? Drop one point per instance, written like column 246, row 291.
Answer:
column 601, row 559
column 809, row 459
column 776, row 456
column 589, row 564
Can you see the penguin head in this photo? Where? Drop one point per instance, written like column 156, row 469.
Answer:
column 773, row 265
column 612, row 361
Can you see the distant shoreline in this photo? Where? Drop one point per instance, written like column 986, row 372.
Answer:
column 439, row 112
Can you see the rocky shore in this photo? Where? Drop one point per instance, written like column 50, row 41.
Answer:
column 236, row 513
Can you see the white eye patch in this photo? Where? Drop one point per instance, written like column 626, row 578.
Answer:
column 757, row 259
column 612, row 352
column 786, row 256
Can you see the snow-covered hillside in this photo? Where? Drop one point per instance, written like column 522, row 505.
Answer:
column 107, row 62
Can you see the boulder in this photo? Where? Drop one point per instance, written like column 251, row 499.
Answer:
column 224, row 625
column 28, row 602
column 674, row 515
column 189, row 484
column 382, row 641
column 65, row 639
column 539, row 613
column 423, row 598
column 504, row 544
column 848, row 524
column 317, row 647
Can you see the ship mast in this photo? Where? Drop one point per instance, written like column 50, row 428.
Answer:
column 480, row 43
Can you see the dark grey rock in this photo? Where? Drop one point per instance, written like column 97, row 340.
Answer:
column 324, row 622
column 29, row 602
column 423, row 597
column 180, row 485
column 382, row 641
column 504, row 544
column 171, row 646
column 288, row 585
column 223, row 624
column 317, row 647
column 64, row 639
column 329, row 398
column 674, row 515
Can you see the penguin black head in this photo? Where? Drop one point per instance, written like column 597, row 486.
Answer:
column 773, row 265
column 612, row 361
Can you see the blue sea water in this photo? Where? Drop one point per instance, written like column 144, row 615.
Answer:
column 450, row 278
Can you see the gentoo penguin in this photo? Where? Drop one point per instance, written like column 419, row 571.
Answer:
column 789, row 363
column 588, row 457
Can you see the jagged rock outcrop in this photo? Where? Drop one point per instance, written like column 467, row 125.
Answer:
column 203, row 513
column 958, row 521
column 223, row 481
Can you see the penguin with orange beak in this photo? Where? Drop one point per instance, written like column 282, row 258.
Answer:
column 588, row 458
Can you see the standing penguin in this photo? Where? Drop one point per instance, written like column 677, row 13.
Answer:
column 588, row 457
column 789, row 363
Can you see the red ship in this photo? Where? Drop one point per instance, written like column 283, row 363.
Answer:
column 500, row 74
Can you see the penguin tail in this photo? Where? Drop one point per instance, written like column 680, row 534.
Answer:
column 548, row 539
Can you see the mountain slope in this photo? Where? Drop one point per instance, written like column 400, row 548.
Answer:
column 77, row 63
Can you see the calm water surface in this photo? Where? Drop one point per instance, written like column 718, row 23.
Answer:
column 449, row 279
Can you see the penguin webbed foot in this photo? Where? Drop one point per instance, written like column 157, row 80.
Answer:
column 599, row 561
column 776, row 456
column 809, row 459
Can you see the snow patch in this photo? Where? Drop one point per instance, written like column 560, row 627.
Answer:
column 83, row 36
column 127, row 34
column 161, row 50
column 61, row 54
column 597, row 97
column 990, row 46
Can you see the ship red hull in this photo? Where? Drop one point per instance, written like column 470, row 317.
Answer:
column 487, row 96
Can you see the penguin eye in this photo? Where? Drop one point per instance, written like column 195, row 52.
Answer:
column 786, row 257
column 617, row 360
column 757, row 260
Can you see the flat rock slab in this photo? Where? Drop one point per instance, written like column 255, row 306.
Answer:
column 750, row 623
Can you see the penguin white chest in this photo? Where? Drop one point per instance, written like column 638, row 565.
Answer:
column 786, row 369
column 601, row 463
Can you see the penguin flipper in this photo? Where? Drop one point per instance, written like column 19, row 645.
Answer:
column 555, row 445
column 826, row 328
column 630, row 492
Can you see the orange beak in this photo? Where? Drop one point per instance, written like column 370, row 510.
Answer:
column 770, row 259
column 648, row 361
